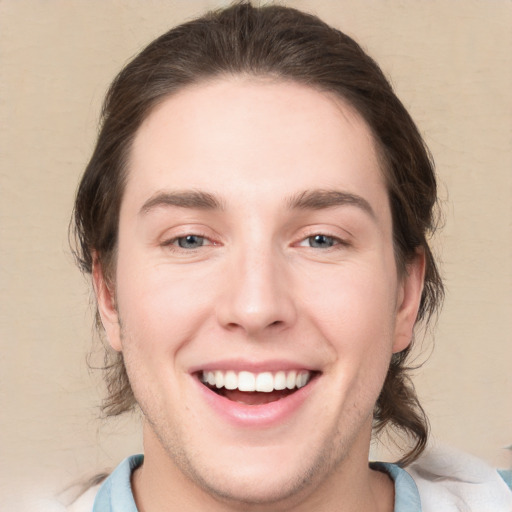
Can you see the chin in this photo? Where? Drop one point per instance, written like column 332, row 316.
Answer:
column 261, row 477
column 252, row 487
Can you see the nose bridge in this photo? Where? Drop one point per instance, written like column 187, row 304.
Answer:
column 257, row 295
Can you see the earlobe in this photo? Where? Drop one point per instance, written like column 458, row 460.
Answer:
column 409, row 299
column 105, row 298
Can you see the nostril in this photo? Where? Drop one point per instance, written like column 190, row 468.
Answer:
column 245, row 326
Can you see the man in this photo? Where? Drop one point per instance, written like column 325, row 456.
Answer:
column 255, row 219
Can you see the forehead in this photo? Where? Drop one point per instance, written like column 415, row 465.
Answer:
column 242, row 136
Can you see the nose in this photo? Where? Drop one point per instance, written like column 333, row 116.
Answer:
column 257, row 295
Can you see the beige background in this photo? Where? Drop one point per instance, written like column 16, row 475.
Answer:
column 450, row 63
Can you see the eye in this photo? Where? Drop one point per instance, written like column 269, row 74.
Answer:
column 320, row 241
column 190, row 241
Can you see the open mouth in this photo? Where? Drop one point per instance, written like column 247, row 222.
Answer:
column 256, row 388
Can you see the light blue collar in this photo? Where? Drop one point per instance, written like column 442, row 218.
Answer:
column 407, row 496
column 115, row 494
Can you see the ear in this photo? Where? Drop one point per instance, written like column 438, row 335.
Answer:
column 105, row 298
column 410, row 290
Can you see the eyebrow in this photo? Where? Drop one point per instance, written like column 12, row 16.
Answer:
column 182, row 199
column 307, row 200
column 322, row 199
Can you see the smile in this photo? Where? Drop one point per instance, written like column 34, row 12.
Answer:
column 255, row 389
column 260, row 397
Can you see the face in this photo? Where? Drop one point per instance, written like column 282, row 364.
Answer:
column 257, row 301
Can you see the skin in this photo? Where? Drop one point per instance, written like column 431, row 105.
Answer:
column 258, row 289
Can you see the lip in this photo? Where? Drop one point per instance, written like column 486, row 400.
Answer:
column 239, row 365
column 255, row 416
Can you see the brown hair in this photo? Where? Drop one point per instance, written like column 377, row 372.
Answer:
column 284, row 43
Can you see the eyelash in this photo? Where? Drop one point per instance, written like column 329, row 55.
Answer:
column 336, row 241
column 173, row 243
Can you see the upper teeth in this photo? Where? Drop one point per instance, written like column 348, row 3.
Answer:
column 265, row 381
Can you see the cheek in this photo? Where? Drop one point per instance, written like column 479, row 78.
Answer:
column 357, row 303
column 355, row 314
column 161, row 308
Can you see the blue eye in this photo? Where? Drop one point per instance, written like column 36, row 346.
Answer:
column 190, row 241
column 321, row 241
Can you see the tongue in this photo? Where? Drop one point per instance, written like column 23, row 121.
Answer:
column 255, row 398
